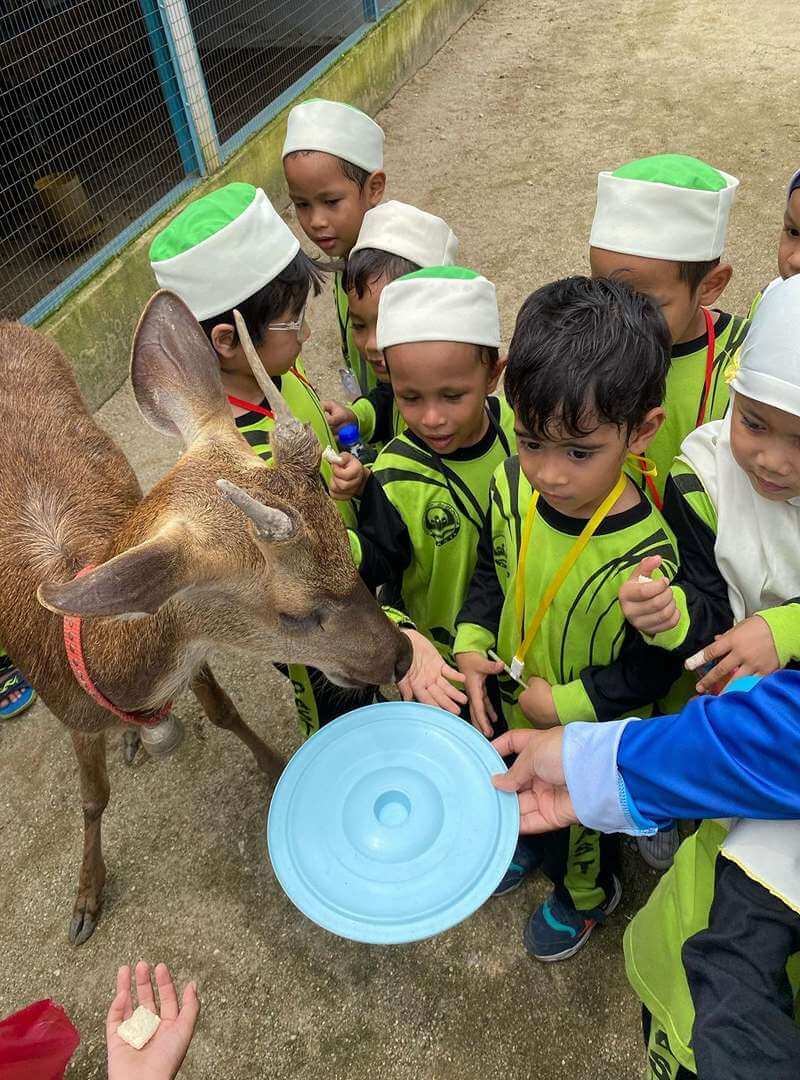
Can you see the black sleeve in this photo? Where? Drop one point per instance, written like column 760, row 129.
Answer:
column 736, row 970
column 484, row 602
column 385, row 544
column 381, row 397
column 698, row 574
column 640, row 676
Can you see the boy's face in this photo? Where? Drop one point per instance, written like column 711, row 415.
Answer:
column 658, row 279
column 575, row 473
column 364, row 324
column 765, row 442
column 278, row 350
column 789, row 246
column 330, row 207
column 440, row 388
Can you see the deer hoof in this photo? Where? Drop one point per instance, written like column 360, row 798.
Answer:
column 82, row 927
column 130, row 745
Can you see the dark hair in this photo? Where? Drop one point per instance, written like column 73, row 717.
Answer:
column 352, row 172
column 370, row 264
column 694, row 272
column 586, row 349
column 286, row 292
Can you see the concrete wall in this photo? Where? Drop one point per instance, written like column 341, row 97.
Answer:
column 94, row 326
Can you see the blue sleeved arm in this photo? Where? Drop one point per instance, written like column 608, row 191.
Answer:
column 736, row 755
column 595, row 784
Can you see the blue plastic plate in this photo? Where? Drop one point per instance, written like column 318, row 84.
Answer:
column 385, row 828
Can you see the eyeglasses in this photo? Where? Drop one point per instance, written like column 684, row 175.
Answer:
column 295, row 326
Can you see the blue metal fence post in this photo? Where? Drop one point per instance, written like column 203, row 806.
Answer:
column 180, row 121
column 372, row 11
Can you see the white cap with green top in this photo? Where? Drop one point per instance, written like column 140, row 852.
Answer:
column 668, row 206
column 221, row 249
column 439, row 303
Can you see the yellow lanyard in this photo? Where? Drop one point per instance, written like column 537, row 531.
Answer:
column 589, row 529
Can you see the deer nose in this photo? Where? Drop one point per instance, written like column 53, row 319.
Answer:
column 404, row 659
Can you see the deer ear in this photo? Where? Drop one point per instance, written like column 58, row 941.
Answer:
column 137, row 582
column 174, row 370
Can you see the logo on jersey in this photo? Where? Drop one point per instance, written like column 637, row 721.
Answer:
column 499, row 551
column 442, row 522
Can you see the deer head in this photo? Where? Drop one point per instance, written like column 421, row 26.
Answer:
column 225, row 547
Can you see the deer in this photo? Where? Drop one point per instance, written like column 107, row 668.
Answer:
column 225, row 551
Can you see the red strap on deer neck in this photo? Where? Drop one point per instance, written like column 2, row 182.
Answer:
column 77, row 663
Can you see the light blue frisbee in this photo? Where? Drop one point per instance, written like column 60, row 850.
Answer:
column 385, row 827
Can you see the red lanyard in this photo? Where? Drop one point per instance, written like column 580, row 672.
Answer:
column 701, row 412
column 240, row 403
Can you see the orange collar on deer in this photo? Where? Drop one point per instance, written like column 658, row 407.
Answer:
column 77, row 663
column 711, row 336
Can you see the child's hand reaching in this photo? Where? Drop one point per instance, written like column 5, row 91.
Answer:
column 536, row 702
column 747, row 649
column 428, row 678
column 349, row 477
column 649, row 606
column 475, row 667
column 338, row 415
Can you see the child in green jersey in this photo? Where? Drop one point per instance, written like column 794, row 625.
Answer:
column 733, row 500
column 230, row 249
column 395, row 239
column 660, row 224
column 586, row 371
column 426, row 497
column 333, row 163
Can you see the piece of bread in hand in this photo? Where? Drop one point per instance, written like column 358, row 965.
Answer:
column 139, row 1028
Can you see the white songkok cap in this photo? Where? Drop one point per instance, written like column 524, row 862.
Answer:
column 221, row 249
column 335, row 128
column 440, row 303
column 412, row 234
column 669, row 206
column 768, row 365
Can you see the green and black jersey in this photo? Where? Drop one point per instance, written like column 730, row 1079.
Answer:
column 352, row 358
column 379, row 419
column 700, row 590
column 598, row 666
column 420, row 518
column 301, row 397
column 683, row 402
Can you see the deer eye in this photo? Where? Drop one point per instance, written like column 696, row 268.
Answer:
column 301, row 624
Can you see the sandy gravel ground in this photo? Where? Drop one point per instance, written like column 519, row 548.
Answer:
column 502, row 133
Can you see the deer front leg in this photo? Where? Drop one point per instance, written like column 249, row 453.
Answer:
column 90, row 751
column 221, row 711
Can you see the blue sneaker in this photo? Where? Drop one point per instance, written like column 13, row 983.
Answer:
column 524, row 863
column 557, row 931
column 16, row 693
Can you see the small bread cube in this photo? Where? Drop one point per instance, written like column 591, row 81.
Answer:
column 642, row 580
column 139, row 1029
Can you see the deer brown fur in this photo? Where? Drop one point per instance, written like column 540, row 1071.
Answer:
column 179, row 572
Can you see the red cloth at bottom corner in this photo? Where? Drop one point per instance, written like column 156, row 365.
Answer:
column 36, row 1043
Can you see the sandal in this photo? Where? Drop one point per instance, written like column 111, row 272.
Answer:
column 12, row 681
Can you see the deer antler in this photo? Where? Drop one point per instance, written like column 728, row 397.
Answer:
column 270, row 524
column 292, row 442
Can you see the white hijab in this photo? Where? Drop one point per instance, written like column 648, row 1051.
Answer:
column 758, row 542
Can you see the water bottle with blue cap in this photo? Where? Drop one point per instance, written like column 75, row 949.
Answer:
column 349, row 439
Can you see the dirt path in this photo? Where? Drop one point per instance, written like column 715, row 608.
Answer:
column 502, row 134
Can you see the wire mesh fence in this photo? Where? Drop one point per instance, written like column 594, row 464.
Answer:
column 253, row 50
column 110, row 109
